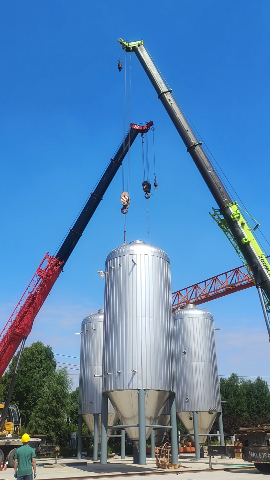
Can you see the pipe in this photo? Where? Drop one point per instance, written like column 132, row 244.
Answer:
column 95, row 450
column 142, row 434
column 174, row 441
column 79, row 447
column 196, row 435
column 104, row 421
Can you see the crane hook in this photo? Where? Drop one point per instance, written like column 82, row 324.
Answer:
column 119, row 65
column 125, row 200
column 147, row 189
column 155, row 184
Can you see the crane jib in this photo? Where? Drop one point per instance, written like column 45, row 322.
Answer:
column 245, row 242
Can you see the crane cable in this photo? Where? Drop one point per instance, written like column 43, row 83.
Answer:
column 154, row 154
column 124, row 120
column 124, row 197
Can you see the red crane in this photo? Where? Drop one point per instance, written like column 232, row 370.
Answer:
column 20, row 323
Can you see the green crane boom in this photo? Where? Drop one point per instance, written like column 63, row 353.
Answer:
column 228, row 216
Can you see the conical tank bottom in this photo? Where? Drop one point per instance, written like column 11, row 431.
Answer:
column 89, row 420
column 205, row 422
column 125, row 402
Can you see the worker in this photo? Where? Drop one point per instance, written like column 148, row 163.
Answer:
column 24, row 460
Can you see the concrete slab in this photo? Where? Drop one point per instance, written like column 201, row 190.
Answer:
column 86, row 468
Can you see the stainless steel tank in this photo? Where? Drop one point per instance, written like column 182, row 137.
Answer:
column 196, row 371
column 137, row 331
column 90, row 382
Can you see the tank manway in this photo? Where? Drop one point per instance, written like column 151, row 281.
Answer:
column 90, row 382
column 196, row 371
column 137, row 331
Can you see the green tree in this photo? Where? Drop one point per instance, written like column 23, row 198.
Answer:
column 36, row 365
column 257, row 396
column 51, row 414
column 246, row 404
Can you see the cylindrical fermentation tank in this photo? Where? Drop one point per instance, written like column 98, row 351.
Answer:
column 196, row 380
column 90, row 382
column 137, row 331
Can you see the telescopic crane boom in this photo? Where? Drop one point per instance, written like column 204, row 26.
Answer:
column 20, row 323
column 228, row 216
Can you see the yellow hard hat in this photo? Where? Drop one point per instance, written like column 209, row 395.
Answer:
column 25, row 438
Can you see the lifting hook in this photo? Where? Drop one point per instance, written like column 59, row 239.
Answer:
column 125, row 200
column 119, row 65
column 147, row 189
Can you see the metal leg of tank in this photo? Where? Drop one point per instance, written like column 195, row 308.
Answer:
column 95, row 450
column 174, row 441
column 142, row 434
column 104, row 423
column 135, row 454
column 153, row 444
column 196, row 435
column 123, row 444
column 79, row 447
column 221, row 431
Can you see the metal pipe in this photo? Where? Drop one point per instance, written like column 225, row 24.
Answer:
column 123, row 444
column 79, row 447
column 174, row 441
column 153, row 444
column 104, row 421
column 95, row 450
column 221, row 431
column 135, row 454
column 196, row 435
column 142, row 434
column 119, row 427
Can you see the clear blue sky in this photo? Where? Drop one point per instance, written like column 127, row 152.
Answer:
column 62, row 118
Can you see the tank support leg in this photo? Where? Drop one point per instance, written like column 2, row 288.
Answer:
column 123, row 444
column 174, row 441
column 221, row 431
column 95, row 450
column 153, row 444
column 196, row 435
column 104, row 423
column 79, row 447
column 135, row 453
column 142, row 433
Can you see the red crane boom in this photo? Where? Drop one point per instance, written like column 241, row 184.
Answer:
column 20, row 323
column 218, row 286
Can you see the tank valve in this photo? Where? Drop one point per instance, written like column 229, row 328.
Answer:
column 147, row 189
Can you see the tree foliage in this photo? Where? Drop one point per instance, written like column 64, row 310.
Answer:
column 246, row 404
column 36, row 365
column 51, row 414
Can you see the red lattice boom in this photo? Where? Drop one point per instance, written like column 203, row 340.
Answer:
column 20, row 323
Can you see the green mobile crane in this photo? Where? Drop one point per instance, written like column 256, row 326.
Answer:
column 228, row 216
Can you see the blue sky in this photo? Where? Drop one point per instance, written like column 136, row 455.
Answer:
column 62, row 118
